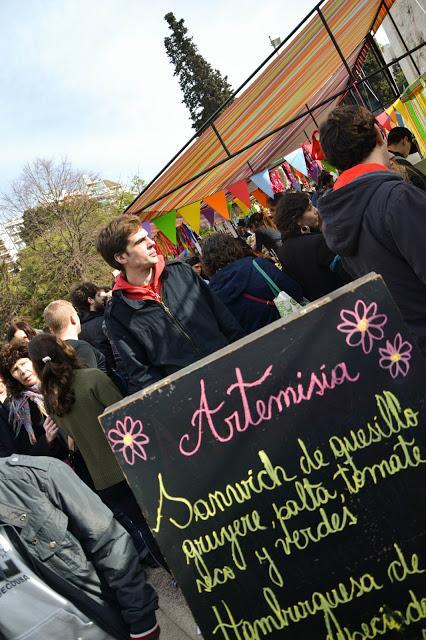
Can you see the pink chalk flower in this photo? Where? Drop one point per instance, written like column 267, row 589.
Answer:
column 363, row 325
column 129, row 439
column 396, row 356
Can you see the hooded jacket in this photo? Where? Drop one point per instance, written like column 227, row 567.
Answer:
column 70, row 539
column 158, row 337
column 240, row 277
column 377, row 222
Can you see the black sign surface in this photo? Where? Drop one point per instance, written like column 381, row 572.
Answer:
column 284, row 477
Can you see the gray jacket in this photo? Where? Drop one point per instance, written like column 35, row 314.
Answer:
column 74, row 543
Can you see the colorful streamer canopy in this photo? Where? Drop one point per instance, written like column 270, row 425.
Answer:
column 307, row 70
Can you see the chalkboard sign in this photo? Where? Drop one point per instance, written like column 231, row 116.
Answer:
column 284, row 476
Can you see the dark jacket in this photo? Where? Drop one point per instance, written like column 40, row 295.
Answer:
column 6, row 436
column 378, row 223
column 307, row 259
column 75, row 544
column 91, row 357
column 93, row 333
column 267, row 237
column 240, row 277
column 155, row 339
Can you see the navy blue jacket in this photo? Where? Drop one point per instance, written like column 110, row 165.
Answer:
column 240, row 277
column 378, row 223
column 155, row 339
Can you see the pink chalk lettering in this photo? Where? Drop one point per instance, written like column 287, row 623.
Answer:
column 260, row 410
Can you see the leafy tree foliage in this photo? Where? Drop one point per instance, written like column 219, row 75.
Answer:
column 204, row 88
column 61, row 221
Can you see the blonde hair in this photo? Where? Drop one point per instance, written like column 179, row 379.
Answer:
column 57, row 315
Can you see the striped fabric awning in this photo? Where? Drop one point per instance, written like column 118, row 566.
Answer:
column 308, row 70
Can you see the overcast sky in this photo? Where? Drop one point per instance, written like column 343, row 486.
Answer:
column 90, row 80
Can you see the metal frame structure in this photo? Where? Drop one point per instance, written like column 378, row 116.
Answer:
column 352, row 88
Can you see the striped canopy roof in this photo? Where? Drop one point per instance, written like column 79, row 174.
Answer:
column 307, row 70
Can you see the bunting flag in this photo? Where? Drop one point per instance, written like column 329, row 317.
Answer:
column 191, row 213
column 263, row 182
column 260, row 197
column 209, row 215
column 241, row 205
column 147, row 227
column 229, row 205
column 167, row 224
column 241, row 191
column 217, row 201
column 297, row 160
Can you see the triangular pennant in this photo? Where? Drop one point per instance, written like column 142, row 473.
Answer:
column 245, row 210
column 297, row 160
column 260, row 197
column 147, row 227
column 191, row 213
column 208, row 213
column 263, row 181
column 240, row 190
column 167, row 224
column 218, row 202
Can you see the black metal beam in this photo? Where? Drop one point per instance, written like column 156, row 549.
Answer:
column 213, row 126
column 380, row 60
column 342, row 57
column 312, row 115
column 276, row 130
column 375, row 17
column 400, row 37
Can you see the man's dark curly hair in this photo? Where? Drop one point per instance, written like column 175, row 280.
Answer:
column 80, row 293
column 218, row 250
column 348, row 136
column 290, row 208
column 11, row 353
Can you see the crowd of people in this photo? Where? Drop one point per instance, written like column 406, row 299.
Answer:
column 71, row 518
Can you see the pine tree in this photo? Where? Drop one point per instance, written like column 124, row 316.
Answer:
column 204, row 88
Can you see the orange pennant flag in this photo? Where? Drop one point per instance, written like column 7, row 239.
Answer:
column 240, row 190
column 218, row 202
column 191, row 213
column 261, row 197
column 242, row 206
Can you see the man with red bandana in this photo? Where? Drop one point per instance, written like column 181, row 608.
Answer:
column 162, row 317
column 374, row 219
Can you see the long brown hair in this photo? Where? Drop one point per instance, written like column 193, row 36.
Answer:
column 23, row 325
column 54, row 362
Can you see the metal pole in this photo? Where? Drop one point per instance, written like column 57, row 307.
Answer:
column 375, row 17
column 401, row 38
column 213, row 126
column 312, row 115
column 342, row 57
column 280, row 128
column 380, row 59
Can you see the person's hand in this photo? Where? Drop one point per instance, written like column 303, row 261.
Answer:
column 51, row 429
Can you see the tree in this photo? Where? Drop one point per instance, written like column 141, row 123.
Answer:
column 204, row 88
column 61, row 220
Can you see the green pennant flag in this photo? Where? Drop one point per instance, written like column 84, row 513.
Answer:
column 167, row 224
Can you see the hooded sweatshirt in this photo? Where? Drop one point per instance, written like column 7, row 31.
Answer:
column 377, row 222
column 239, row 278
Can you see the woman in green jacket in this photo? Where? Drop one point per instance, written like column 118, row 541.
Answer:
column 75, row 396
